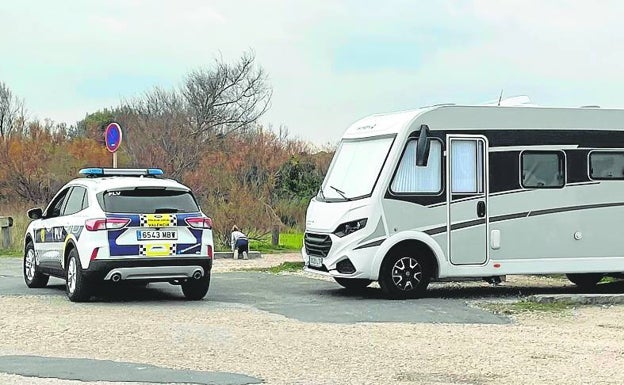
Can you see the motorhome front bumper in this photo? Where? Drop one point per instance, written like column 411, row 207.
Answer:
column 355, row 264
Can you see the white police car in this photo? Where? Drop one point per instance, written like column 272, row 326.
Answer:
column 117, row 225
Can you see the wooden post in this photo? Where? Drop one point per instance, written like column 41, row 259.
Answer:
column 275, row 235
column 6, row 237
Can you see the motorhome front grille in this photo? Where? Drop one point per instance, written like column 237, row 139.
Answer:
column 317, row 244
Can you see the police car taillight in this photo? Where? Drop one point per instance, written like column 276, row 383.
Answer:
column 199, row 222
column 106, row 223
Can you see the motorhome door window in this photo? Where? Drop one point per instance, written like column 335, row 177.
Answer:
column 466, row 166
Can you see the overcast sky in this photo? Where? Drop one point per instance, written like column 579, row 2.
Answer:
column 329, row 62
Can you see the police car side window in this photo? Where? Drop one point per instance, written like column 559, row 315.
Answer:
column 74, row 202
column 54, row 210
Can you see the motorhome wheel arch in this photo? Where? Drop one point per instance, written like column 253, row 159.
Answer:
column 471, row 191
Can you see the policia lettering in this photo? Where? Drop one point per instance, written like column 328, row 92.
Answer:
column 56, row 234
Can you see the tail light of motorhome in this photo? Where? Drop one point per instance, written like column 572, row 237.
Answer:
column 98, row 224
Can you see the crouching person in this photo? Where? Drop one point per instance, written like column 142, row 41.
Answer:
column 240, row 244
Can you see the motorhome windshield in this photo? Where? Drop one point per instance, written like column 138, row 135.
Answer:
column 355, row 169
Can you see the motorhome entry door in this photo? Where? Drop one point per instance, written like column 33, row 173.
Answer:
column 466, row 196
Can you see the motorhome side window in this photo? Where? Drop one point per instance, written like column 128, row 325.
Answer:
column 542, row 169
column 606, row 165
column 411, row 179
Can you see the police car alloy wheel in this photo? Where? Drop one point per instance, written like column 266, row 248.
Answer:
column 32, row 277
column 29, row 264
column 77, row 287
column 71, row 276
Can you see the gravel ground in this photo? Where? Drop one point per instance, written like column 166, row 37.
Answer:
column 579, row 346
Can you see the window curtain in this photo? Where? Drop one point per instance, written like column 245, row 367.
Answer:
column 412, row 179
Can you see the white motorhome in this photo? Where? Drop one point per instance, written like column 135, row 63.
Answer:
column 471, row 191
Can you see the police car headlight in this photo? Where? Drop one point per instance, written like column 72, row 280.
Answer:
column 350, row 227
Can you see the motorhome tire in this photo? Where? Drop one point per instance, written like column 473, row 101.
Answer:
column 33, row 278
column 585, row 281
column 404, row 276
column 353, row 283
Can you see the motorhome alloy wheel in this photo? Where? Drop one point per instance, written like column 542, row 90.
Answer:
column 407, row 273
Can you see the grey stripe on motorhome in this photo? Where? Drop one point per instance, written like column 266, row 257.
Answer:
column 507, row 192
column 507, row 217
column 379, row 232
column 372, row 244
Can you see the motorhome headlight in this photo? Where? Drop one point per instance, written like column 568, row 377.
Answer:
column 350, row 227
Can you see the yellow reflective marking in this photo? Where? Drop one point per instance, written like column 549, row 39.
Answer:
column 158, row 220
column 159, row 250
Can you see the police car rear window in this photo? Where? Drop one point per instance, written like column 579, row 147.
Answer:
column 147, row 201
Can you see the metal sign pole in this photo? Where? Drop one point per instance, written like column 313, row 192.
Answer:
column 114, row 159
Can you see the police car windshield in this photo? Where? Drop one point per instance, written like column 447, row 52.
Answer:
column 147, row 201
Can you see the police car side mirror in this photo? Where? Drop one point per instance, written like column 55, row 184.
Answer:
column 36, row 213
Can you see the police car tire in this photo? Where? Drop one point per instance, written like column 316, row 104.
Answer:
column 82, row 290
column 196, row 289
column 39, row 279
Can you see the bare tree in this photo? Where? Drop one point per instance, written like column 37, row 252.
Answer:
column 172, row 128
column 12, row 112
column 228, row 97
column 157, row 132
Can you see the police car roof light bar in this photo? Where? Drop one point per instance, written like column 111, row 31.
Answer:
column 93, row 172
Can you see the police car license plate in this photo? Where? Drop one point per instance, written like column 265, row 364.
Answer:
column 157, row 234
column 316, row 261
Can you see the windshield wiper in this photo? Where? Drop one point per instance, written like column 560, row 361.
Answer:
column 321, row 193
column 342, row 194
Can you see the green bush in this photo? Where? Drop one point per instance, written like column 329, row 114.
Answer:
column 288, row 242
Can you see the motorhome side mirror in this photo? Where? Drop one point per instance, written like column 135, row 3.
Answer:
column 422, row 147
column 36, row 213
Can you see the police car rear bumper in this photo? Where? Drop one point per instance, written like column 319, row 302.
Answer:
column 150, row 269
